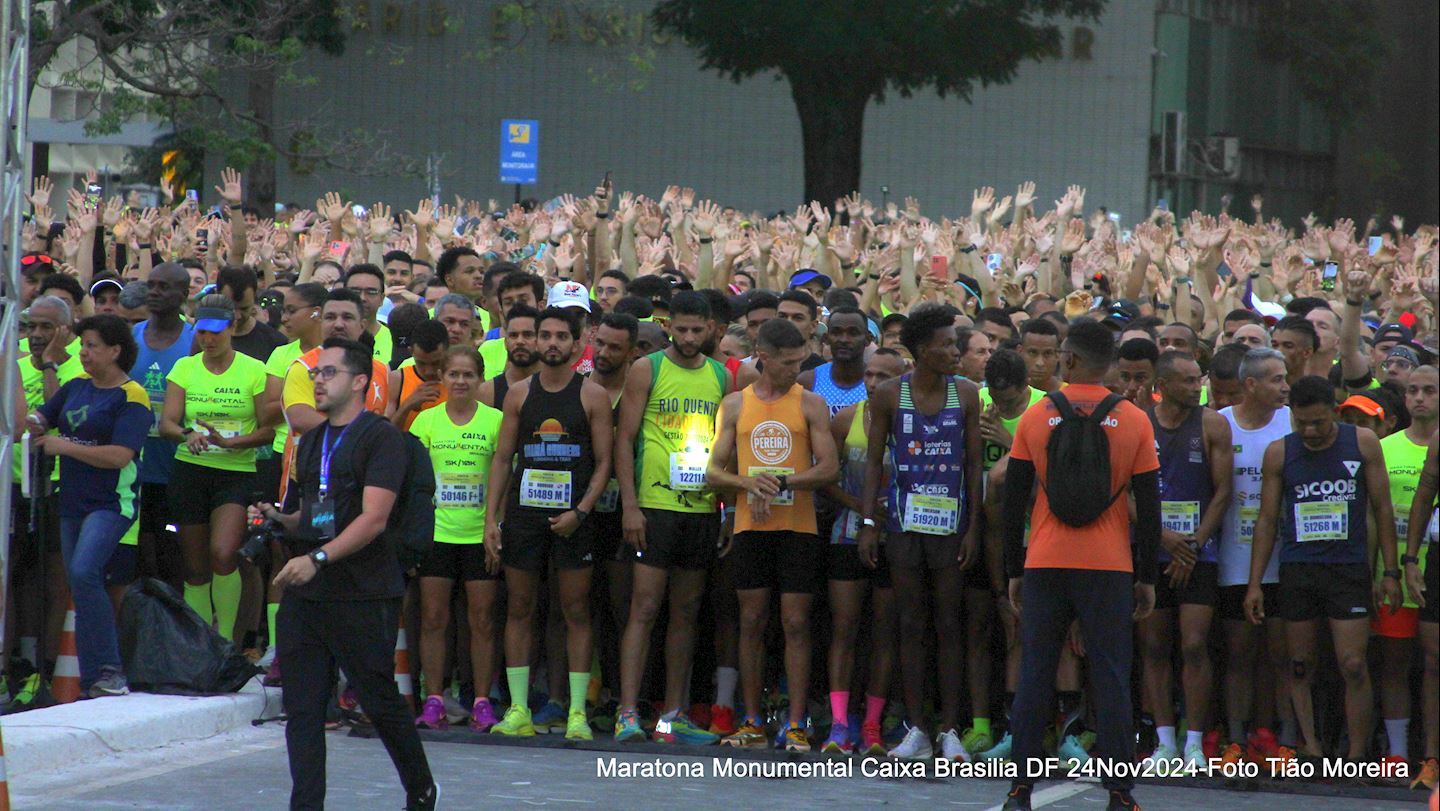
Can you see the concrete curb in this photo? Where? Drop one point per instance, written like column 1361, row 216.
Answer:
column 57, row 737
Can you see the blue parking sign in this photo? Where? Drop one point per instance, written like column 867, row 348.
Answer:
column 519, row 151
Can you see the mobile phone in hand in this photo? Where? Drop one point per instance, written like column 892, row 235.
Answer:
column 940, row 267
column 92, row 194
column 993, row 261
column 193, row 195
column 1373, row 244
column 202, row 239
column 1327, row 278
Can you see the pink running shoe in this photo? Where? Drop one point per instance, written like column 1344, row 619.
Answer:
column 483, row 716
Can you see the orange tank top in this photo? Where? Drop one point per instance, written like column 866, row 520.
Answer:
column 409, row 382
column 773, row 438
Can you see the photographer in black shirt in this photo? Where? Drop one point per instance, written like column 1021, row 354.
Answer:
column 344, row 586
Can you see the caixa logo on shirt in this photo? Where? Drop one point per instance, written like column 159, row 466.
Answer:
column 1337, row 490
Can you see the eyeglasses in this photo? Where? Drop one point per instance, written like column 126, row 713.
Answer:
column 327, row 372
column 1398, row 363
column 367, row 291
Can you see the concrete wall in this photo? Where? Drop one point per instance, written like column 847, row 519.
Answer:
column 412, row 73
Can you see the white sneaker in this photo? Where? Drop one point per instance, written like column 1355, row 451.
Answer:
column 264, row 661
column 915, row 746
column 1163, row 760
column 1195, row 761
column 454, row 712
column 951, row 748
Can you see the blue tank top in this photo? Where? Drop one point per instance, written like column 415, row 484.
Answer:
column 836, row 397
column 1185, row 483
column 1322, row 517
column 927, row 493
column 150, row 370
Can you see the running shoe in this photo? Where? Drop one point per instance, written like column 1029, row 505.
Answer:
column 429, row 801
column 796, row 740
column 1195, row 761
column 1233, row 755
column 577, row 728
column 1000, row 751
column 550, row 718
column 516, row 723
column 750, row 735
column 680, row 729
column 871, row 743
column 602, row 716
column 1210, row 744
column 455, row 712
column 1260, row 744
column 1282, row 756
column 28, row 689
column 1428, row 776
column 1072, row 751
column 951, row 747
column 265, row 660
column 839, row 742
column 722, row 720
column 976, row 741
column 627, row 727
column 482, row 716
column 915, row 746
column 1018, row 799
column 432, row 715
column 1165, row 755
column 111, row 683
column 1400, row 767
column 1122, row 801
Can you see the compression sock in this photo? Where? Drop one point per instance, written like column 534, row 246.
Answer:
column 981, row 726
column 725, row 680
column 271, row 611
column 198, row 598
column 1166, row 736
column 225, row 589
column 874, row 709
column 1194, row 737
column 579, row 687
column 519, row 680
column 840, row 706
column 1398, row 730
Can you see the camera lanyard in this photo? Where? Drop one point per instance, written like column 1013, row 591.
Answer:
column 326, row 452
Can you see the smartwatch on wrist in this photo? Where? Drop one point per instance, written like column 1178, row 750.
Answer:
column 1393, row 574
column 582, row 514
column 868, row 522
column 784, row 481
column 1408, row 560
column 319, row 558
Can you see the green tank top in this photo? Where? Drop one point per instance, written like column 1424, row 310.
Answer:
column 993, row 452
column 672, row 447
column 1403, row 460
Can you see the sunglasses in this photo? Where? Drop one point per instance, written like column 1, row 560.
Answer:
column 327, row 372
column 27, row 261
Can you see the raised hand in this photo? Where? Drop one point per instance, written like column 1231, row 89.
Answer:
column 565, row 257
column 1398, row 223
column 381, row 224
column 114, row 209
column 1025, row 195
column 981, row 201
column 40, row 190
column 445, row 221
column 1315, row 245
column 1178, row 261
column 1073, row 238
column 1341, row 237
column 999, row 211
column 167, row 190
column 706, row 217
column 423, row 217
column 229, row 188
column 332, row 207
column 144, row 226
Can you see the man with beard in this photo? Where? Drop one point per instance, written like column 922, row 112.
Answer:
column 557, row 434
column 521, row 359
column 669, row 512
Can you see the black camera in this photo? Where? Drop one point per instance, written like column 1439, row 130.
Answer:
column 257, row 539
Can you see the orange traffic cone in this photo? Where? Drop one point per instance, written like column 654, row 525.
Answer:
column 65, row 682
column 402, row 669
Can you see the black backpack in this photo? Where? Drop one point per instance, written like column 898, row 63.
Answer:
column 1078, row 459
column 413, row 518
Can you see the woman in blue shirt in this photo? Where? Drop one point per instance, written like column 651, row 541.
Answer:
column 102, row 419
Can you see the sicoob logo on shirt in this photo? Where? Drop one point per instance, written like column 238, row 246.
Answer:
column 770, row 442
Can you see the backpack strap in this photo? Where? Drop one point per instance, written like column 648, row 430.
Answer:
column 1062, row 404
column 1111, row 400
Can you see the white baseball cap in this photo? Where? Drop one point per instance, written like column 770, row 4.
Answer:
column 569, row 294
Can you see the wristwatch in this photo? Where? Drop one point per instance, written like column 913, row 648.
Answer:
column 1393, row 574
column 1406, row 560
column 868, row 522
column 784, row 482
column 48, row 366
column 319, row 558
column 582, row 514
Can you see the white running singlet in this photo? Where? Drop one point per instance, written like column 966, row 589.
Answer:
column 1238, row 529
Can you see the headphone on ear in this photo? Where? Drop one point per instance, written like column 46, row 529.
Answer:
column 314, row 314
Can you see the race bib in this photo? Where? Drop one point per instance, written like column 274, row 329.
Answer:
column 687, row 471
column 1180, row 516
column 1402, row 526
column 609, row 499
column 157, row 406
column 459, row 490
column 224, row 427
column 784, row 498
column 1248, row 517
column 545, row 489
column 1322, row 521
column 930, row 515
column 852, row 525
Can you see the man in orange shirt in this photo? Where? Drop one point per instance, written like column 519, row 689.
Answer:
column 1085, row 571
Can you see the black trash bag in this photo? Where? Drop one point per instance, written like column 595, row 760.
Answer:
column 168, row 649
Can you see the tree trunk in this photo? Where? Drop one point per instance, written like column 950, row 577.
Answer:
column 832, row 127
column 260, row 175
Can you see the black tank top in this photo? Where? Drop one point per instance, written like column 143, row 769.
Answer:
column 502, row 388
column 556, row 459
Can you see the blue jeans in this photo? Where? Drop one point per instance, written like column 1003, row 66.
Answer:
column 87, row 544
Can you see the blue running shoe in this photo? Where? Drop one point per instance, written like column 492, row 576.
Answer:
column 1000, row 751
column 840, row 741
column 627, row 727
column 1072, row 752
column 550, row 718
